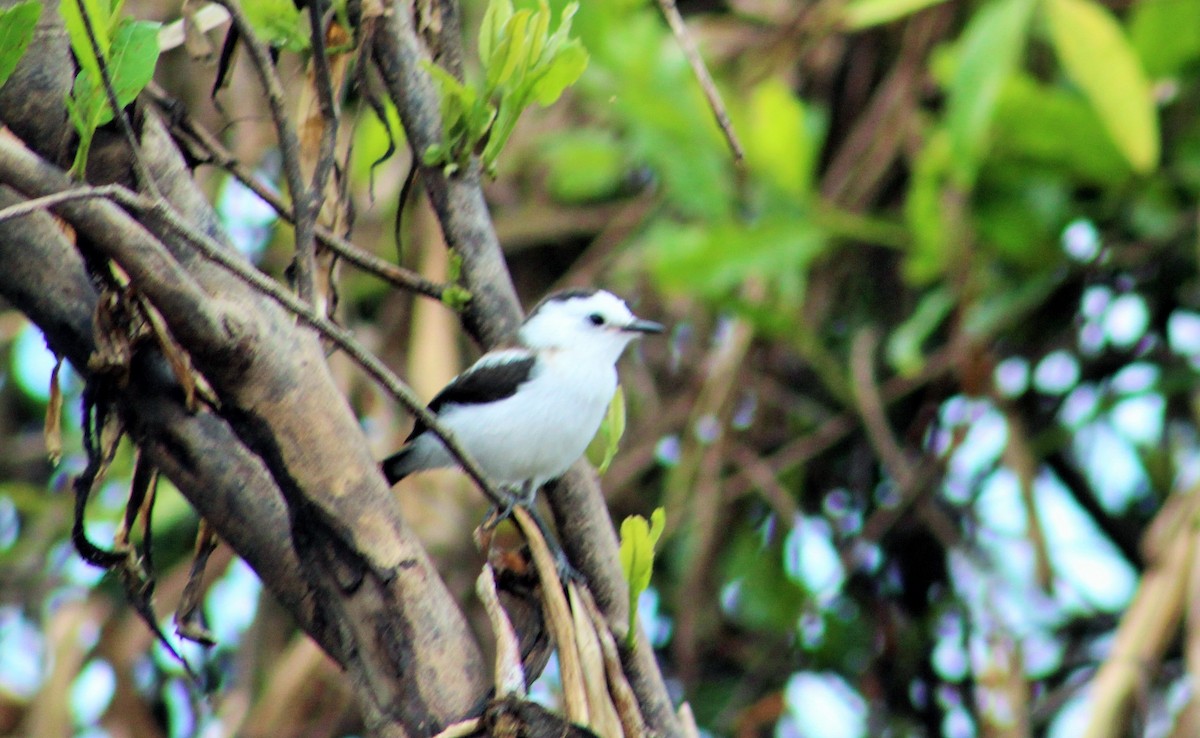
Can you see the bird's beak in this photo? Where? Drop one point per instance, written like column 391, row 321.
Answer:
column 643, row 326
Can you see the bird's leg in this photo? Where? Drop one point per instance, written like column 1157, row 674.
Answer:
column 501, row 512
column 526, row 496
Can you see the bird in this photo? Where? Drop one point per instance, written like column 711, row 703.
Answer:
column 526, row 413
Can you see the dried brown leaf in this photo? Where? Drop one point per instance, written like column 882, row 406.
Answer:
column 52, row 430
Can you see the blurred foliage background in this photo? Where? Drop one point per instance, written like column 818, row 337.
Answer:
column 925, row 427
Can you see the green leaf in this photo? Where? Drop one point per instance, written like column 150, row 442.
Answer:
column 603, row 447
column 658, row 523
column 519, row 62
column 860, row 14
column 1166, row 34
column 82, row 119
column 456, row 297
column 278, row 22
column 933, row 248
column 567, row 67
column 538, row 35
column 1095, row 53
column 101, row 15
column 491, row 31
column 990, row 49
column 16, row 30
column 88, row 102
column 779, row 147
column 768, row 598
column 132, row 58
column 515, row 50
column 712, row 261
column 638, row 539
column 1029, row 125
column 584, row 165
column 466, row 118
column 1021, row 213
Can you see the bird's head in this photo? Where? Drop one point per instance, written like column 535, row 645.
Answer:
column 594, row 322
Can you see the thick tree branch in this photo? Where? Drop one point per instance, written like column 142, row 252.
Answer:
column 494, row 313
column 45, row 280
column 376, row 602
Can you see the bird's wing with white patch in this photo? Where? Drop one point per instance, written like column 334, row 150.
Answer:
column 495, row 376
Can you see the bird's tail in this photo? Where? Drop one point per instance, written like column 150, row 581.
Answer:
column 399, row 465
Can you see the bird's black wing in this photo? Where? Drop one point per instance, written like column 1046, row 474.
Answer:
column 494, row 377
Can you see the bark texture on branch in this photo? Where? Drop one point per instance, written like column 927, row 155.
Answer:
column 283, row 471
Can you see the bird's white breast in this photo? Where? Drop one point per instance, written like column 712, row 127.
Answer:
column 537, row 433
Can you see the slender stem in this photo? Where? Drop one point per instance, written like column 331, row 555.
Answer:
column 711, row 93
column 210, row 249
column 110, row 92
column 49, row 201
column 289, row 148
column 221, row 157
column 342, row 338
column 859, row 227
column 325, row 98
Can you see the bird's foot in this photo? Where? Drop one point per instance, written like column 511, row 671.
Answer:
column 524, row 498
column 566, row 572
column 496, row 515
column 523, row 495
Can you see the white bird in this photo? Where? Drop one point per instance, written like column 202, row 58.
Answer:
column 525, row 414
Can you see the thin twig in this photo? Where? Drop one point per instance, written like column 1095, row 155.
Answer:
column 110, row 92
column 679, row 28
column 303, row 201
column 909, row 477
column 323, row 79
column 221, row 157
column 873, row 412
column 49, row 201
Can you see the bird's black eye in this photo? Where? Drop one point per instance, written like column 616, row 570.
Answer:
column 596, row 319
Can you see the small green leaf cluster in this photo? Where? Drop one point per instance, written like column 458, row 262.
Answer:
column 279, row 23
column 523, row 62
column 16, row 31
column 129, row 49
column 455, row 296
column 638, row 539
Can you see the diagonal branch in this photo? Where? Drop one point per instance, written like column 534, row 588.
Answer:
column 38, row 204
column 45, row 279
column 371, row 576
column 124, row 230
